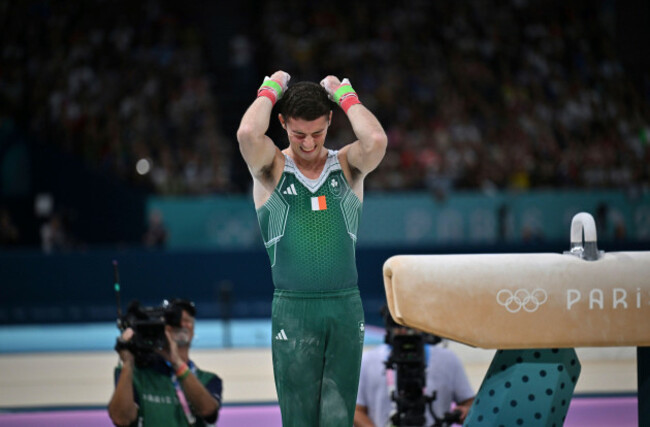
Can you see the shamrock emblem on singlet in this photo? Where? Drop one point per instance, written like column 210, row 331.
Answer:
column 335, row 186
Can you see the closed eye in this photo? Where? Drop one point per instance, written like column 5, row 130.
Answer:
column 303, row 135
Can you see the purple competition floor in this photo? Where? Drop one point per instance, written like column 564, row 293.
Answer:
column 583, row 412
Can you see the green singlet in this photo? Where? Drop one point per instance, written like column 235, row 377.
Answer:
column 309, row 229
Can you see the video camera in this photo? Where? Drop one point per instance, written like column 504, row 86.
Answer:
column 148, row 324
column 407, row 358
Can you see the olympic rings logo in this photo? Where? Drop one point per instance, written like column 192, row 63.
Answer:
column 521, row 298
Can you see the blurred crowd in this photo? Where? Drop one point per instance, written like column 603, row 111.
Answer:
column 479, row 95
column 117, row 83
column 485, row 95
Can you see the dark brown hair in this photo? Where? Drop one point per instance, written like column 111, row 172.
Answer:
column 305, row 100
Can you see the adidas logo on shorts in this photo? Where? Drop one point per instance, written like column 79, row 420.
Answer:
column 281, row 336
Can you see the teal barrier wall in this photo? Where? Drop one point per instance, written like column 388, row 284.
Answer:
column 418, row 219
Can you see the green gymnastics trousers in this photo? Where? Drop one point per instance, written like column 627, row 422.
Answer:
column 317, row 346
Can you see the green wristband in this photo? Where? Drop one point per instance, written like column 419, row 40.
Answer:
column 273, row 85
column 343, row 90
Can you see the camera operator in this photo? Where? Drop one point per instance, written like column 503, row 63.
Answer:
column 167, row 389
column 444, row 376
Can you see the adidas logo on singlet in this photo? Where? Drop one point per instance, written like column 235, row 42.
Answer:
column 281, row 336
column 291, row 190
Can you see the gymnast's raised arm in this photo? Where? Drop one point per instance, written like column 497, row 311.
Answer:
column 258, row 150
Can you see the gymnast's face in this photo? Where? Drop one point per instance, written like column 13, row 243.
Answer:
column 306, row 137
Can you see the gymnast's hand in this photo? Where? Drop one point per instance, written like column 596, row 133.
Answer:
column 331, row 84
column 282, row 77
column 274, row 87
column 340, row 91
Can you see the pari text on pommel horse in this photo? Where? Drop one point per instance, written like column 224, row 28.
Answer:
column 598, row 298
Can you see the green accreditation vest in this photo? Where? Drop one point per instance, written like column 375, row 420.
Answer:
column 309, row 227
column 157, row 398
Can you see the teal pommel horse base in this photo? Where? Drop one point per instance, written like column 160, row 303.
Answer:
column 535, row 309
column 526, row 388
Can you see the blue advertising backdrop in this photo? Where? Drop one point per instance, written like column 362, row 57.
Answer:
column 215, row 254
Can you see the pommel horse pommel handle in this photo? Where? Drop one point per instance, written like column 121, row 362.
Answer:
column 587, row 249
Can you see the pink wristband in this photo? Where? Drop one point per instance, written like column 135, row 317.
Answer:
column 270, row 94
column 345, row 96
column 271, row 89
column 348, row 101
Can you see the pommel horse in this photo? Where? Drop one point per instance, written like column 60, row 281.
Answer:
column 534, row 309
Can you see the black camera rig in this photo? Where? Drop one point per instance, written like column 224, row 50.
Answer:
column 407, row 358
column 148, row 324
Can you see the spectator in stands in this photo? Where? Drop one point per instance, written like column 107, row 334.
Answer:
column 54, row 235
column 9, row 233
column 156, row 234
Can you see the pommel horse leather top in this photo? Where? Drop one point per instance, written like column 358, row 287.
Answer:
column 582, row 298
